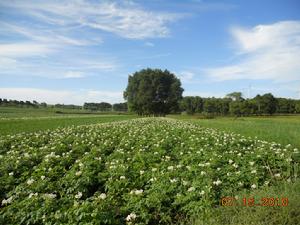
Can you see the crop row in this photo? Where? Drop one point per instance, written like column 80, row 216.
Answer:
column 142, row 171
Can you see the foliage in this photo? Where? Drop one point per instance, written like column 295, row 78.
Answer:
column 266, row 103
column 144, row 171
column 5, row 102
column 258, row 215
column 120, row 107
column 235, row 104
column 102, row 106
column 235, row 96
column 153, row 92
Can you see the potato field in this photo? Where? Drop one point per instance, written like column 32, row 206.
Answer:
column 140, row 171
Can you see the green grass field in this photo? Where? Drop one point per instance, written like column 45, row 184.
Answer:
column 17, row 125
column 258, row 215
column 18, row 112
column 17, row 120
column 281, row 129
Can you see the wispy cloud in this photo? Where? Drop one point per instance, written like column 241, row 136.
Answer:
column 149, row 44
column 269, row 52
column 73, row 74
column 54, row 39
column 61, row 96
column 45, row 35
column 17, row 50
column 124, row 19
column 60, row 68
column 186, row 76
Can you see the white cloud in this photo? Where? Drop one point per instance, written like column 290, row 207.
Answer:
column 149, row 44
column 44, row 35
column 23, row 50
column 124, row 19
column 269, row 52
column 186, row 76
column 6, row 62
column 73, row 74
column 51, row 39
column 66, row 68
column 61, row 96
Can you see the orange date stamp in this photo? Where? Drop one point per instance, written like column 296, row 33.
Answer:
column 251, row 201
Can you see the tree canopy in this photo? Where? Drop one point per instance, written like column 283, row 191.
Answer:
column 236, row 105
column 102, row 106
column 153, row 92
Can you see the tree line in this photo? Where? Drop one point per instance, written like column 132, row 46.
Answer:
column 158, row 92
column 102, row 106
column 105, row 106
column 235, row 104
column 16, row 103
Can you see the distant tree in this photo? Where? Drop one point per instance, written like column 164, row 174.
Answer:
column 297, row 106
column 121, row 107
column 28, row 103
column 235, row 108
column 286, row 105
column 43, row 104
column 210, row 105
column 224, row 106
column 153, row 92
column 235, row 96
column 191, row 104
column 266, row 103
column 104, row 106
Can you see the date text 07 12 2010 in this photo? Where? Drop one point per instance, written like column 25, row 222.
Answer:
column 251, row 201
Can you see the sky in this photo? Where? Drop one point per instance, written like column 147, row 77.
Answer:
column 76, row 51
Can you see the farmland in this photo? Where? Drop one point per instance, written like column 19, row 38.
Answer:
column 140, row 171
column 15, row 120
column 12, row 126
column 281, row 129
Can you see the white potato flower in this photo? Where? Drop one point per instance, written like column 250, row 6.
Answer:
column 78, row 195
column 131, row 216
column 78, row 173
column 170, row 168
column 102, row 196
column 30, row 181
column 217, row 182
column 7, row 201
column 191, row 189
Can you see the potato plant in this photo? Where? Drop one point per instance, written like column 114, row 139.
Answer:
column 142, row 171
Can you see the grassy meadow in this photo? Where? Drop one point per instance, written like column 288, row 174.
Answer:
column 20, row 112
column 280, row 129
column 17, row 120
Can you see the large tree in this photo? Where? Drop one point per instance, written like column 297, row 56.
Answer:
column 266, row 103
column 153, row 92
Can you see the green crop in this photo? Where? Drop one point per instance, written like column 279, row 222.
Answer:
column 141, row 171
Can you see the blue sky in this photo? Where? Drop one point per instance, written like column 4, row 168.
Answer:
column 76, row 51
